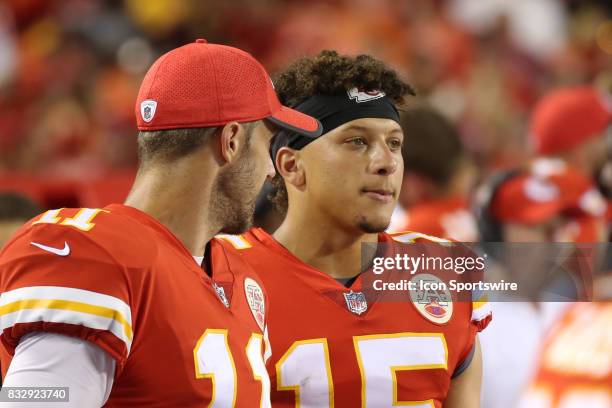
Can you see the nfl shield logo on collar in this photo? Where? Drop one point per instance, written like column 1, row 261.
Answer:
column 356, row 302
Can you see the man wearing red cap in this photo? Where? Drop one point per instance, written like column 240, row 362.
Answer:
column 110, row 302
column 542, row 204
column 571, row 123
column 575, row 124
column 549, row 202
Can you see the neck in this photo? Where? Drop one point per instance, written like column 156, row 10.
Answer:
column 166, row 194
column 323, row 244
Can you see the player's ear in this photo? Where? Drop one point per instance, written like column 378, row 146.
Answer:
column 231, row 140
column 289, row 166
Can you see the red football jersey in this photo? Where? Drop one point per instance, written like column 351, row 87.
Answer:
column 334, row 347
column 119, row 279
column 575, row 368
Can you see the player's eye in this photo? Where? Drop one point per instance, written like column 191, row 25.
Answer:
column 395, row 144
column 358, row 141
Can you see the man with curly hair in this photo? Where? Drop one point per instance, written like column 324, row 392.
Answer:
column 333, row 344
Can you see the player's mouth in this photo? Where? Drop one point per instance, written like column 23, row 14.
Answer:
column 381, row 195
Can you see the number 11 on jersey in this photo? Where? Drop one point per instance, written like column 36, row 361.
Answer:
column 213, row 359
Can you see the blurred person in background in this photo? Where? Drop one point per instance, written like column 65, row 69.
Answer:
column 15, row 210
column 482, row 63
column 574, row 366
column 438, row 176
column 530, row 208
column 574, row 126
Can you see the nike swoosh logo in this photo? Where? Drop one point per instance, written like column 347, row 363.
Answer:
column 56, row 251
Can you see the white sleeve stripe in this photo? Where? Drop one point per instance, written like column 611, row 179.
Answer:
column 67, row 317
column 67, row 305
column 68, row 294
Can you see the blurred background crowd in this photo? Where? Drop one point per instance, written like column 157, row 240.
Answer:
column 508, row 140
column 70, row 70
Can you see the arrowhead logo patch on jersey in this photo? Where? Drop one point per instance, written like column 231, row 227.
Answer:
column 147, row 109
column 356, row 302
column 432, row 298
column 363, row 96
column 256, row 301
column 221, row 294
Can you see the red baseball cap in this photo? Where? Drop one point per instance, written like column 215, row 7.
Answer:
column 567, row 117
column 526, row 199
column 206, row 85
column 547, row 190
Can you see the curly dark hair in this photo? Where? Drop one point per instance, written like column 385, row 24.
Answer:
column 330, row 73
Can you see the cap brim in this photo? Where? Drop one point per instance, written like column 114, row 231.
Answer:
column 512, row 204
column 297, row 122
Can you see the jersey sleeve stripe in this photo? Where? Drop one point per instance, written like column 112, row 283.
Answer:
column 67, row 305
column 66, row 317
column 479, row 303
column 481, row 310
column 67, row 293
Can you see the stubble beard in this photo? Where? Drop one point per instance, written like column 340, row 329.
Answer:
column 231, row 209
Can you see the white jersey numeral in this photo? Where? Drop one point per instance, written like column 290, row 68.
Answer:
column 213, row 359
column 82, row 220
column 305, row 368
column 254, row 353
column 380, row 357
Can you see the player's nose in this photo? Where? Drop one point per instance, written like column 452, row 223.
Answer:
column 384, row 161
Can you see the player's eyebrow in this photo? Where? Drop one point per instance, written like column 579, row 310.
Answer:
column 359, row 128
column 368, row 129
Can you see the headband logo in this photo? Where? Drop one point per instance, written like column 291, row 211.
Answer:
column 147, row 110
column 360, row 95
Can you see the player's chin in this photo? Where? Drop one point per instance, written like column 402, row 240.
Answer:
column 377, row 211
column 371, row 223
